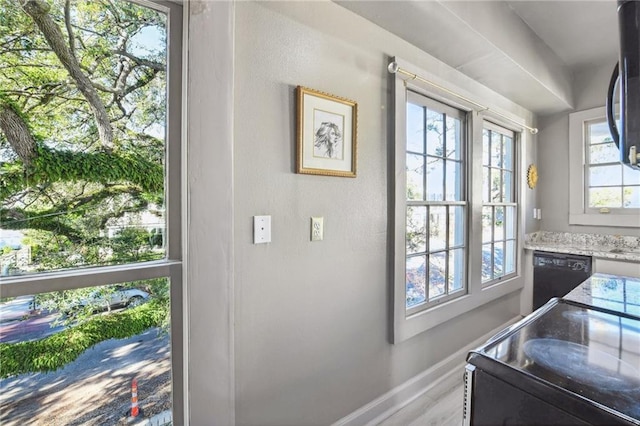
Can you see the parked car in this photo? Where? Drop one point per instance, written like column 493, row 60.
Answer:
column 110, row 298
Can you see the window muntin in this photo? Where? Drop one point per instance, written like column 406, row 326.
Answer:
column 499, row 210
column 608, row 183
column 436, row 207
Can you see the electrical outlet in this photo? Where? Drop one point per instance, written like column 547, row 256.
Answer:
column 317, row 228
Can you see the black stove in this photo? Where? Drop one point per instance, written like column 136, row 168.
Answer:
column 566, row 364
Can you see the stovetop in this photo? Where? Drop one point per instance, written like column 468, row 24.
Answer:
column 589, row 353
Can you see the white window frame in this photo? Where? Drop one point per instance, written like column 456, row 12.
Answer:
column 172, row 266
column 504, row 204
column 579, row 212
column 433, row 105
column 409, row 323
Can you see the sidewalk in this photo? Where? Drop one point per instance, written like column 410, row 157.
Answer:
column 160, row 419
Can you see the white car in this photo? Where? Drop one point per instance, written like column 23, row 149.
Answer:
column 114, row 297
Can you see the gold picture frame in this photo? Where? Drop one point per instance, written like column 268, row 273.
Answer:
column 326, row 134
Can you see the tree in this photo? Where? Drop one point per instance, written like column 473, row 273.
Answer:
column 82, row 118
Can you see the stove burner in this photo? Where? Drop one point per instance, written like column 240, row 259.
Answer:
column 583, row 365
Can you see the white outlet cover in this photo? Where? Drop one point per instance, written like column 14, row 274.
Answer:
column 261, row 229
column 317, row 228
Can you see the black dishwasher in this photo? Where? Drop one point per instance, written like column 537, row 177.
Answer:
column 556, row 274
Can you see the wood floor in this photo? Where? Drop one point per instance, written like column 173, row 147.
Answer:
column 441, row 405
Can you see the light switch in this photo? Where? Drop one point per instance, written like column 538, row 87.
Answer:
column 317, row 228
column 261, row 229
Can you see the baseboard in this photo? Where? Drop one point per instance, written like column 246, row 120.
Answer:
column 397, row 398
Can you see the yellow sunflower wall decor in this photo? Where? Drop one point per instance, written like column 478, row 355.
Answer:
column 532, row 176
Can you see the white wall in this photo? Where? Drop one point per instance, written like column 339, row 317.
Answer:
column 312, row 319
column 590, row 89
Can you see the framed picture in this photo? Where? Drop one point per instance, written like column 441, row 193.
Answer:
column 327, row 130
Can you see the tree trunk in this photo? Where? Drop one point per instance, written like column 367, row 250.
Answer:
column 39, row 12
column 17, row 132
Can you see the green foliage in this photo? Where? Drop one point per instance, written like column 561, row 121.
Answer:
column 54, row 352
column 80, row 203
column 75, row 190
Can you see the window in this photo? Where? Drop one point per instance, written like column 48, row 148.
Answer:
column 603, row 191
column 436, row 202
column 609, row 183
column 456, row 215
column 90, row 232
column 499, row 209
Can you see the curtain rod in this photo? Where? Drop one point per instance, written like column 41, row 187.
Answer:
column 394, row 68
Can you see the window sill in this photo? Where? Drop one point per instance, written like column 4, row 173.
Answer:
column 406, row 327
column 613, row 220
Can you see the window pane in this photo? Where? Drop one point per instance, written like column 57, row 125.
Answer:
column 456, row 270
column 487, row 224
column 496, row 149
column 485, row 147
column 415, row 177
column 416, row 230
column 435, row 179
column 416, row 278
column 454, row 138
column 486, row 180
column 498, row 228
column 487, row 262
column 435, row 133
column 437, row 268
column 415, row 128
column 453, row 182
column 98, row 195
column 604, row 153
column 498, row 260
column 496, row 185
column 599, row 132
column 510, row 223
column 605, row 197
column 456, row 226
column 507, row 187
column 110, row 334
column 631, row 176
column 605, row 175
column 508, row 153
column 510, row 257
column 632, row 197
column 437, row 228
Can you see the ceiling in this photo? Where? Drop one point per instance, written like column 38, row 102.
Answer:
column 528, row 51
column 581, row 33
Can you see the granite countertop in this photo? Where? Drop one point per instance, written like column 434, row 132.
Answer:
column 613, row 292
column 617, row 247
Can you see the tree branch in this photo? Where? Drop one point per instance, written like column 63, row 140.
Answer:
column 17, row 219
column 157, row 66
column 67, row 23
column 17, row 131
column 38, row 10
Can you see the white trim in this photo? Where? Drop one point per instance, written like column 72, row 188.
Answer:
column 578, row 215
column 399, row 397
column 209, row 256
column 408, row 324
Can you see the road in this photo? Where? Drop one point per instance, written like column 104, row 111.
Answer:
column 96, row 388
column 20, row 322
column 15, row 309
column 37, row 326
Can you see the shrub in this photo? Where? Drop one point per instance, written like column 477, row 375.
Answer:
column 58, row 350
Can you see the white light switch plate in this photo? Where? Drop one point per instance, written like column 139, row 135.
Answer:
column 261, row 229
